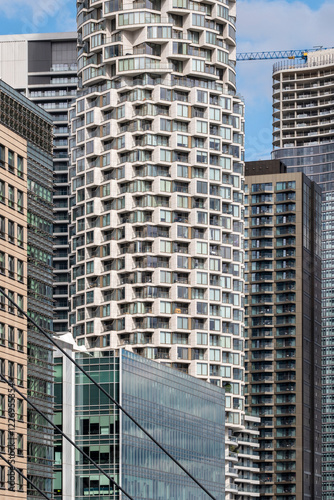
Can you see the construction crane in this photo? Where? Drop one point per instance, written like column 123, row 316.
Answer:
column 277, row 54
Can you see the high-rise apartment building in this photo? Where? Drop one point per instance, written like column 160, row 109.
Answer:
column 157, row 184
column 26, row 275
column 283, row 314
column 185, row 415
column 303, row 138
column 43, row 68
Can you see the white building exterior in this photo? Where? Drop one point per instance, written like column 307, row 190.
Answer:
column 157, row 213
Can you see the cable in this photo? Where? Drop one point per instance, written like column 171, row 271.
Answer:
column 108, row 396
column 24, row 477
column 64, row 435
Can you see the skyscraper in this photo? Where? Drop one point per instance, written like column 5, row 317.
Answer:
column 157, row 183
column 43, row 68
column 283, row 315
column 304, row 139
column 26, row 268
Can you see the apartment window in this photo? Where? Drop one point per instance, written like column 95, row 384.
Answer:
column 2, row 329
column 165, row 155
column 182, row 323
column 202, row 187
column 90, row 327
column 214, row 294
column 215, row 325
column 165, row 125
column 202, row 127
column 202, row 338
column 165, row 337
column 202, row 369
column 214, row 114
column 165, row 215
column 182, row 110
column 90, row 267
column 202, row 278
column 202, row 248
column 214, row 355
column 165, row 307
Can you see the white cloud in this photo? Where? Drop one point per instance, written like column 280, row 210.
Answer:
column 264, row 25
column 36, row 15
column 279, row 25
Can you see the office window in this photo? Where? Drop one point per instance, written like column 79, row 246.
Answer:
column 19, row 412
column 11, row 196
column 19, row 201
column 2, row 405
column 20, row 340
column 19, row 375
column 11, row 337
column 11, row 231
column 19, row 166
column 20, row 235
column 11, row 272
column 2, row 440
column 2, row 475
column 2, row 263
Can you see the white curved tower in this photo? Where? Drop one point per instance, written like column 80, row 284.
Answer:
column 157, row 178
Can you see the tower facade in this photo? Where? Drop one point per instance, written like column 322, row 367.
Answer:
column 283, row 319
column 43, row 67
column 26, row 266
column 303, row 138
column 157, row 184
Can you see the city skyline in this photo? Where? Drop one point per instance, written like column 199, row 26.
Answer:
column 262, row 34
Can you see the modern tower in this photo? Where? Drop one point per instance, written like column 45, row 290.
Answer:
column 26, row 276
column 43, row 68
column 283, row 315
column 303, row 137
column 157, row 151
column 185, row 415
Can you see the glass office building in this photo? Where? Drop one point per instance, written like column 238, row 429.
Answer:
column 186, row 416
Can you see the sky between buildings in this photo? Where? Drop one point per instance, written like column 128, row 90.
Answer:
column 262, row 25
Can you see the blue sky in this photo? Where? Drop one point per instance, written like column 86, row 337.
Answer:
column 262, row 25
